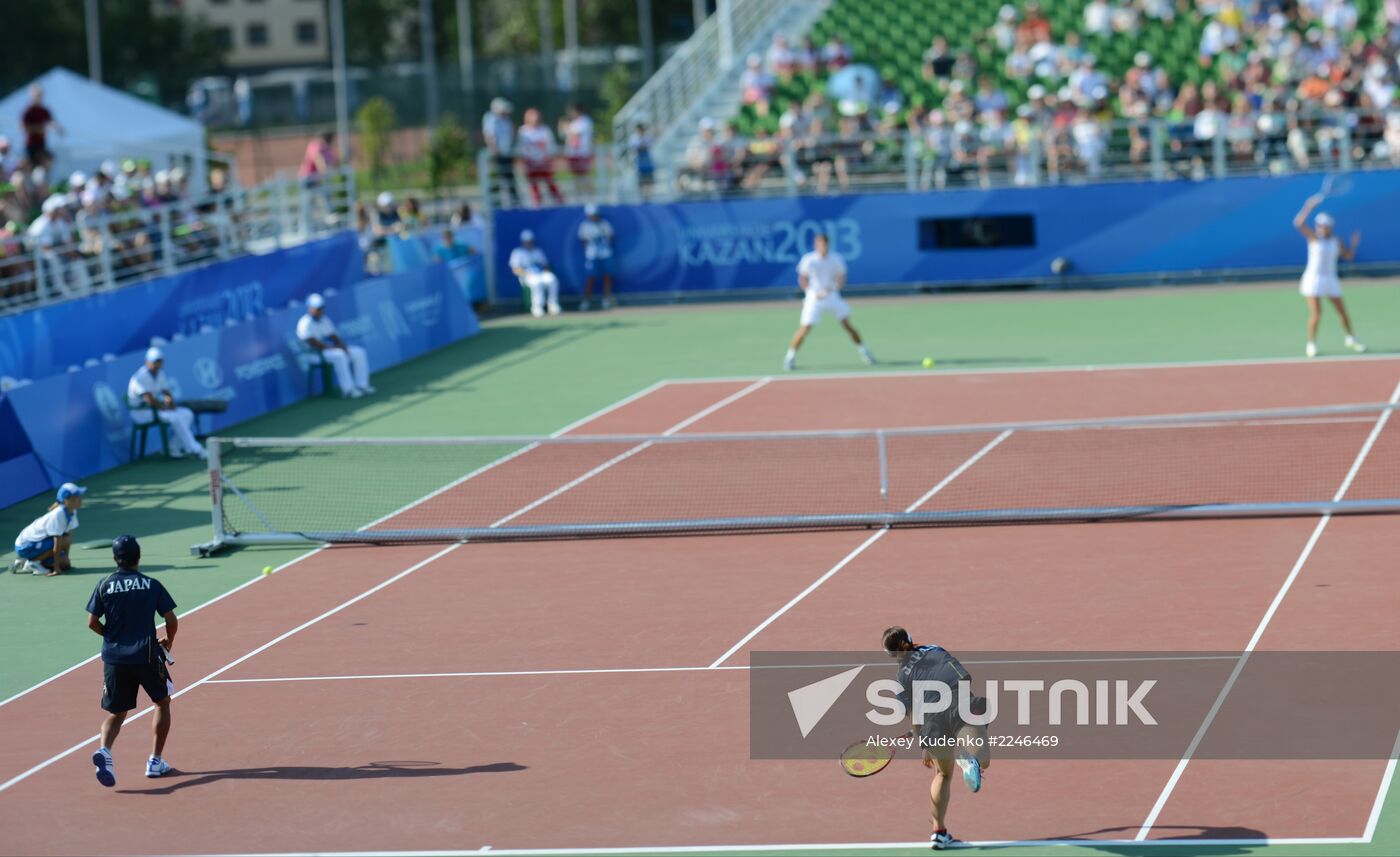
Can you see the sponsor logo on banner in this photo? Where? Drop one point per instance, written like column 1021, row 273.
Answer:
column 113, row 411
column 209, row 373
column 359, row 327
column 781, row 242
column 213, row 310
column 394, row 323
column 255, row 369
column 426, row 311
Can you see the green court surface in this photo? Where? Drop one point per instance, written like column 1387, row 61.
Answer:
column 528, row 376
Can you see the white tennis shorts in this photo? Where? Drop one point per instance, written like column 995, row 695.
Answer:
column 813, row 308
column 1313, row 286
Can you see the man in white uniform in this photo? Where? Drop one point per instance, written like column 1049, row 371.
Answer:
column 821, row 274
column 596, row 235
column 350, row 362
column 1320, row 278
column 150, row 389
column 532, row 267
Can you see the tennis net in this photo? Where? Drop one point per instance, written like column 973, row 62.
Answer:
column 1336, row 459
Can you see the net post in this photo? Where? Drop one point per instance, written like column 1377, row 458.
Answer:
column 884, row 466
column 216, row 497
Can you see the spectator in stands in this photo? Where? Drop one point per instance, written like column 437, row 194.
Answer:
column 43, row 547
column 1090, row 141
column 451, row 248
column 1003, row 32
column 836, row 54
column 781, row 60
column 578, row 149
column 938, row 60
column 1087, row 79
column 350, row 362
column 370, row 241
column 36, row 122
column 537, row 151
column 936, row 151
column 989, row 98
column 320, row 159
column 51, row 234
column 1098, row 18
column 756, row 84
column 149, row 396
column 499, row 135
column 596, row 236
column 410, row 216
column 639, row 145
column 386, row 217
column 814, row 154
column 1035, row 24
column 807, row 57
column 465, row 216
column 531, row 266
column 7, row 160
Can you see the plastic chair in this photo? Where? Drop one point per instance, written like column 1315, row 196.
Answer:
column 140, row 432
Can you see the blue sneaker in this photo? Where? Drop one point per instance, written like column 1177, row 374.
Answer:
column 971, row 770
column 106, row 771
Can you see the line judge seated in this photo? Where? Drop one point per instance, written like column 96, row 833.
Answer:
column 531, row 265
column 350, row 362
column 149, row 397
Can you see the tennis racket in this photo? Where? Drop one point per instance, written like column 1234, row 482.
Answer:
column 863, row 760
column 165, row 662
column 1336, row 184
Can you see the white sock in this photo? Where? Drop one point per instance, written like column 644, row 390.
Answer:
column 863, row 350
column 792, row 354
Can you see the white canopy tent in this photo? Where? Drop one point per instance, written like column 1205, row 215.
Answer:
column 101, row 123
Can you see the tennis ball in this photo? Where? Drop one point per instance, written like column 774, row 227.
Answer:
column 928, row 362
column 267, row 569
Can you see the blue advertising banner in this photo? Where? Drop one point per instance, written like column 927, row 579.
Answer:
column 77, row 424
column 960, row 236
column 406, row 254
column 48, row 340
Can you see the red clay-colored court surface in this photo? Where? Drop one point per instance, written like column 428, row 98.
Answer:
column 594, row 694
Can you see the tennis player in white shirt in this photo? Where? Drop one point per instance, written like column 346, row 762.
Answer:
column 350, row 362
column 1320, row 278
column 821, row 274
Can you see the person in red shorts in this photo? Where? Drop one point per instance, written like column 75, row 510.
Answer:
column 537, row 150
column 37, row 120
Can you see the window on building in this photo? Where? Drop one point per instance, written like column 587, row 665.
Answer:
column 256, row 35
column 223, row 37
column 306, row 32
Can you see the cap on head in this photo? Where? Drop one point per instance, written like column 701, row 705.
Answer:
column 154, row 355
column 385, row 199
column 1323, row 219
column 315, row 301
column 500, row 105
column 126, row 551
column 527, row 235
column 77, row 178
column 68, row 489
column 590, row 210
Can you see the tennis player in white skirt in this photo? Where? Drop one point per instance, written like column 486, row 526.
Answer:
column 1320, row 278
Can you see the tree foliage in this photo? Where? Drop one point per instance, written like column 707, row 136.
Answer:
column 449, row 152
column 376, row 121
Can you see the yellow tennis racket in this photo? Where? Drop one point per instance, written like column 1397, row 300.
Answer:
column 862, row 759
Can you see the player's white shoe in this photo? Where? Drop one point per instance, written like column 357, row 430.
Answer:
column 156, row 767
column 607, row 303
column 536, row 312
column 21, row 566
column 940, row 841
column 1355, row 346
column 584, row 306
column 355, row 393
column 554, row 309
column 368, row 390
column 866, row 355
column 1311, row 350
column 789, row 363
column 106, row 770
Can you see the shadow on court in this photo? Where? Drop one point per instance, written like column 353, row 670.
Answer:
column 1195, row 840
column 178, row 780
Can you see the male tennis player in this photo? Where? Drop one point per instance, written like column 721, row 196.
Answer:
column 936, row 730
column 131, row 655
column 821, row 274
column 1320, row 278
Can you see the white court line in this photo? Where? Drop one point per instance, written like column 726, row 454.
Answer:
column 1186, row 845
column 444, row 552
column 1036, row 370
column 705, row 669
column 645, row 391
column 961, row 469
column 1375, row 817
column 1283, row 591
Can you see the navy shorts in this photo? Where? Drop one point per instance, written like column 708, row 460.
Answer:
column 599, row 267
column 121, row 681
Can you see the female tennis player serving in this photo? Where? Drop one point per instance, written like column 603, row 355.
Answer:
column 937, row 730
column 1320, row 278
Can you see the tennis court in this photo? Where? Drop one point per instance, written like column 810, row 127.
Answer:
column 593, row 694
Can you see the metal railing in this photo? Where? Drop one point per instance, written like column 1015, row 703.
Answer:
column 669, row 93
column 85, row 253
